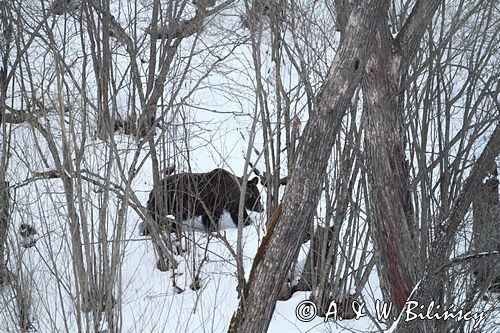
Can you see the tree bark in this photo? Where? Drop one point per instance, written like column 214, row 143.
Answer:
column 4, row 223
column 486, row 227
column 389, row 195
column 6, row 26
column 391, row 209
column 304, row 187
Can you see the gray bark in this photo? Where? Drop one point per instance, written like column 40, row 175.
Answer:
column 305, row 182
column 390, row 198
column 486, row 228
column 6, row 27
column 4, row 223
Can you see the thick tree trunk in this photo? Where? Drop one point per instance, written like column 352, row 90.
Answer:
column 277, row 250
column 391, row 210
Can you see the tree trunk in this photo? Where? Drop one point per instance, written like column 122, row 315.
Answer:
column 304, row 187
column 486, row 228
column 390, row 205
column 4, row 223
column 6, row 26
column 391, row 208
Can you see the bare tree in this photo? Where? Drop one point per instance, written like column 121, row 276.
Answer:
column 397, row 223
column 6, row 27
column 392, row 224
column 303, row 189
column 400, row 97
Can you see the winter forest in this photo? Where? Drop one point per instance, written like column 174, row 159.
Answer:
column 249, row 166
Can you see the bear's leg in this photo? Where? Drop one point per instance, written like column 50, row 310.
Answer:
column 210, row 226
column 233, row 211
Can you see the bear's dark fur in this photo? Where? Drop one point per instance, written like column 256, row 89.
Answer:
column 187, row 195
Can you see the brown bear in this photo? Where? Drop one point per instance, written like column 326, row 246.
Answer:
column 187, row 195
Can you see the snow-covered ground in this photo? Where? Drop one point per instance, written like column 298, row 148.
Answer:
column 214, row 132
column 147, row 300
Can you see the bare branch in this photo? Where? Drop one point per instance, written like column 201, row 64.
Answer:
column 408, row 39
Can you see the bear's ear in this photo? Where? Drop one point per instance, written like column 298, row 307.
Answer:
column 254, row 181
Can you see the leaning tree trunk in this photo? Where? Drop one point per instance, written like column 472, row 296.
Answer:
column 304, row 187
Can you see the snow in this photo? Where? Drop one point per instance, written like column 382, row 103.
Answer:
column 149, row 303
column 217, row 118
